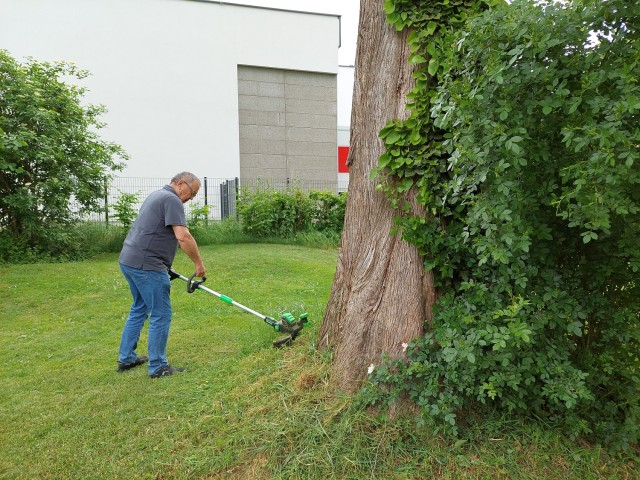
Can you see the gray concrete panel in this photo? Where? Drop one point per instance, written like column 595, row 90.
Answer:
column 271, row 89
column 262, row 89
column 287, row 124
column 269, row 147
column 310, row 120
column 260, row 160
column 306, row 174
column 314, row 162
column 305, row 149
column 309, row 78
column 297, row 105
column 255, row 117
column 265, row 173
column 310, row 92
column 263, row 132
column 247, row 87
column 311, row 135
column 271, row 104
column 259, row 74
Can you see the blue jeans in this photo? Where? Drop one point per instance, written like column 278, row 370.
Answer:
column 150, row 291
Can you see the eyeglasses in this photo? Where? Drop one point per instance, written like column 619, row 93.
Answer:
column 193, row 192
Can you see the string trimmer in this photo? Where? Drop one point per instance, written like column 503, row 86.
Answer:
column 287, row 323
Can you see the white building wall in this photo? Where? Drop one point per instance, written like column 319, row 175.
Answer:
column 167, row 69
column 345, row 96
column 345, row 79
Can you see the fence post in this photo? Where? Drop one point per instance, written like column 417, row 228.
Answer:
column 206, row 200
column 235, row 198
column 106, row 202
column 224, row 200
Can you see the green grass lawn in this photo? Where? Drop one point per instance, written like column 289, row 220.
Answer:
column 242, row 409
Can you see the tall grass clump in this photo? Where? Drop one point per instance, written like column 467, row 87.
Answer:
column 100, row 237
column 76, row 241
column 222, row 232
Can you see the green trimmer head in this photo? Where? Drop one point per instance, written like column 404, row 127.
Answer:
column 288, row 324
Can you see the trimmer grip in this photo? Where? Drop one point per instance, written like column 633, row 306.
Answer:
column 173, row 274
column 192, row 285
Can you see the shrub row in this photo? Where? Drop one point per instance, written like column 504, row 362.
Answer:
column 313, row 219
column 266, row 212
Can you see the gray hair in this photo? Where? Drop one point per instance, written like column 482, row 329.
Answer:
column 185, row 176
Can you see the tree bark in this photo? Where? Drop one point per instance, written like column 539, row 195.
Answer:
column 381, row 295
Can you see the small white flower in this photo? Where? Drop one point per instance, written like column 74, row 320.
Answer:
column 404, row 347
column 370, row 369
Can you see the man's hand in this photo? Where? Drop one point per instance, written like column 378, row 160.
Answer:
column 190, row 247
column 201, row 271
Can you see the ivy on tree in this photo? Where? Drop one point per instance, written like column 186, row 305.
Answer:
column 523, row 146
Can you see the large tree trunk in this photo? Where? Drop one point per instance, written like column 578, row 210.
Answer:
column 381, row 295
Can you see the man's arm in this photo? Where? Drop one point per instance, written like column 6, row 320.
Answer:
column 190, row 247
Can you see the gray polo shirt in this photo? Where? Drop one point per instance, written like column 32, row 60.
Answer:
column 151, row 243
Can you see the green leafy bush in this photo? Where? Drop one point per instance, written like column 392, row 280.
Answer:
column 327, row 211
column 125, row 209
column 526, row 158
column 198, row 216
column 267, row 212
column 50, row 154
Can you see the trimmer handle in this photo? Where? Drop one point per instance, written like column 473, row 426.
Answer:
column 192, row 285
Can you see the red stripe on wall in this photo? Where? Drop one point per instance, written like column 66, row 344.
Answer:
column 343, row 153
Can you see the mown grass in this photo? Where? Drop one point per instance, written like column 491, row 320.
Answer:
column 242, row 409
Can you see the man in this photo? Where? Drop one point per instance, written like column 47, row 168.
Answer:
column 146, row 255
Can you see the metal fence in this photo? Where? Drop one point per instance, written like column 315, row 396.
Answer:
column 218, row 194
